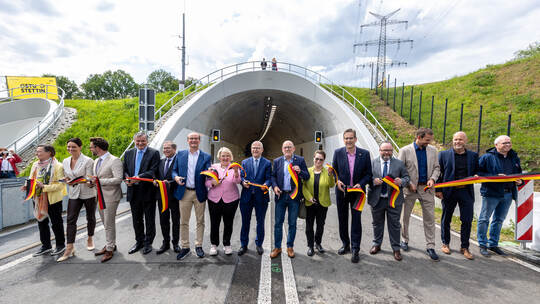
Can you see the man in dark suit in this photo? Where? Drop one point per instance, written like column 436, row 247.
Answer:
column 284, row 186
column 379, row 198
column 258, row 170
column 353, row 166
column 191, row 192
column 457, row 163
column 142, row 161
column 164, row 172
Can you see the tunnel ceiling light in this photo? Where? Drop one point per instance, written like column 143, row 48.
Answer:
column 269, row 121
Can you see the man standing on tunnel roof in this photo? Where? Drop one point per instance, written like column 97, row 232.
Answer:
column 287, row 175
column 353, row 166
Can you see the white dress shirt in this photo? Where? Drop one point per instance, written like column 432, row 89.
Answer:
column 192, row 163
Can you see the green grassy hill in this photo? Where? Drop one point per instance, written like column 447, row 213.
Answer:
column 510, row 88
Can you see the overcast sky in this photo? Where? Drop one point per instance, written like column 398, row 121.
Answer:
column 79, row 38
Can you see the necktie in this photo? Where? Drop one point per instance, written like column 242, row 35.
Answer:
column 138, row 162
column 167, row 165
column 384, row 188
column 98, row 165
column 256, row 166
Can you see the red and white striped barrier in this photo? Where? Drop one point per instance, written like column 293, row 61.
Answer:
column 524, row 212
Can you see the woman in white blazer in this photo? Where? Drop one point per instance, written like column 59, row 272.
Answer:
column 80, row 194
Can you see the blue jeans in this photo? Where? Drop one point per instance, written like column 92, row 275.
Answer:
column 498, row 206
column 283, row 203
column 246, row 209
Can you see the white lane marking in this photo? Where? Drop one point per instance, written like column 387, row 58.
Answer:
column 29, row 256
column 289, row 282
column 265, row 281
column 518, row 261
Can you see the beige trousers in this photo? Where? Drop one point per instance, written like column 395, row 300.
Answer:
column 108, row 217
column 186, row 203
column 427, row 201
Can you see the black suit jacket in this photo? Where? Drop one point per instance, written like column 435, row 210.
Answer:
column 362, row 173
column 448, row 168
column 143, row 191
column 160, row 175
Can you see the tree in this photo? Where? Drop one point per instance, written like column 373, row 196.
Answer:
column 531, row 50
column 162, row 81
column 110, row 85
column 70, row 87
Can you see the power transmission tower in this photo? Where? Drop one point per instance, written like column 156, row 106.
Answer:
column 183, row 49
column 380, row 70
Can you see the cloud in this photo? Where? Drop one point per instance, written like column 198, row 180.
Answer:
column 112, row 27
column 105, row 6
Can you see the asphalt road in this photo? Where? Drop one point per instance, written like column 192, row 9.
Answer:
column 324, row 278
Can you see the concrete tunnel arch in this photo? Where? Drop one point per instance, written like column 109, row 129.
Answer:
column 236, row 106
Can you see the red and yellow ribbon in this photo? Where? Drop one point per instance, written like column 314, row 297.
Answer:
column 294, row 177
column 390, row 182
column 264, row 188
column 487, row 179
column 100, row 197
column 361, row 201
column 162, row 190
column 211, row 173
column 31, row 188
column 78, row 180
column 235, row 165
column 334, row 172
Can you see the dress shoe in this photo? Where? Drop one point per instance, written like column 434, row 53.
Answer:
column 242, row 250
column 101, row 252
column 497, row 250
column 310, row 251
column 397, row 255
column 66, row 256
column 200, row 252
column 275, row 252
column 176, row 248
column 320, row 248
column 290, row 252
column 432, row 254
column 163, row 248
column 135, row 248
column 466, row 253
column 343, row 250
column 445, row 249
column 484, row 251
column 147, row 249
column 375, row 249
column 404, row 246
column 58, row 250
column 355, row 256
column 42, row 251
column 90, row 245
column 184, row 252
column 260, row 250
column 107, row 256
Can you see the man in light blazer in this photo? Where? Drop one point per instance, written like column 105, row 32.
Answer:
column 172, row 213
column 191, row 191
column 379, row 198
column 353, row 166
column 258, row 170
column 283, row 186
column 142, row 161
column 421, row 160
column 108, row 169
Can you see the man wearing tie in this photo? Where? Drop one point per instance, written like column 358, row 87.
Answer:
column 108, row 168
column 353, row 166
column 173, row 212
column 380, row 195
column 258, row 171
column 142, row 161
column 191, row 192
column 283, row 188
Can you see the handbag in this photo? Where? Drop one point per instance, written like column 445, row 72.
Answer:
column 302, row 211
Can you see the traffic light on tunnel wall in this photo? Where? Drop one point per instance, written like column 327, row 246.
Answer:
column 216, row 135
column 318, row 136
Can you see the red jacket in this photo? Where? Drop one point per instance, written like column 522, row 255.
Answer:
column 12, row 160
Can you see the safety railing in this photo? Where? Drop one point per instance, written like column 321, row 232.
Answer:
column 33, row 135
column 250, row 66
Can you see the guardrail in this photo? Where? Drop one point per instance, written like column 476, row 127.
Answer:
column 306, row 73
column 22, row 142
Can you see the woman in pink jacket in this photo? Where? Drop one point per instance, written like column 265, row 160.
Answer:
column 223, row 198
